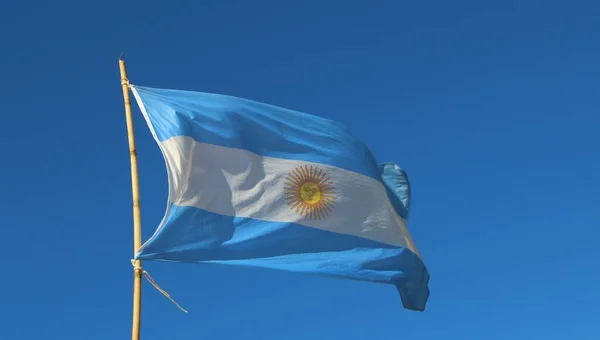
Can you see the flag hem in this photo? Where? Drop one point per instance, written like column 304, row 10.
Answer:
column 162, row 223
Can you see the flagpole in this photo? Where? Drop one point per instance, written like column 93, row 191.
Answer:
column 135, row 190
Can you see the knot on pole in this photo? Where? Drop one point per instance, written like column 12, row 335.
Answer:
column 138, row 269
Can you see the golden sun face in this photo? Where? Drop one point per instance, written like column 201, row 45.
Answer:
column 309, row 191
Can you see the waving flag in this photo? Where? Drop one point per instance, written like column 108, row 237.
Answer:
column 252, row 184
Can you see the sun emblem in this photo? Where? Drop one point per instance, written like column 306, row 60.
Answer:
column 310, row 192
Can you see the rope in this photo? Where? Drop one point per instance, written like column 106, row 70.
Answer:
column 155, row 285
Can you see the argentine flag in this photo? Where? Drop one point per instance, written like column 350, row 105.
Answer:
column 252, row 184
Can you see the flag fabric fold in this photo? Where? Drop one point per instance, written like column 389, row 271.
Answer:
column 253, row 184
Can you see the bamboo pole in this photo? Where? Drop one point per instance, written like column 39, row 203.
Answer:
column 137, row 223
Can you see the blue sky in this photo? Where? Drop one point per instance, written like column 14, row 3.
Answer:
column 491, row 107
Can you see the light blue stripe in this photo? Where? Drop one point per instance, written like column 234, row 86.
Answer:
column 397, row 186
column 260, row 128
column 194, row 235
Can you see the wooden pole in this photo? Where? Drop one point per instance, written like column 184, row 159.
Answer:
column 137, row 223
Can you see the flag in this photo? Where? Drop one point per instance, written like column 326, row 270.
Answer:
column 252, row 184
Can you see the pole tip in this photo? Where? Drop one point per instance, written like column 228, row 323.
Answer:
column 121, row 56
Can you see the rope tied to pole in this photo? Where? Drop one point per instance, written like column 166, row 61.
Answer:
column 149, row 278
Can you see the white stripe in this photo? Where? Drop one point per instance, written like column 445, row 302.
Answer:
column 235, row 182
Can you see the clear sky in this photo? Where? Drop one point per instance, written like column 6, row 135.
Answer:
column 490, row 106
